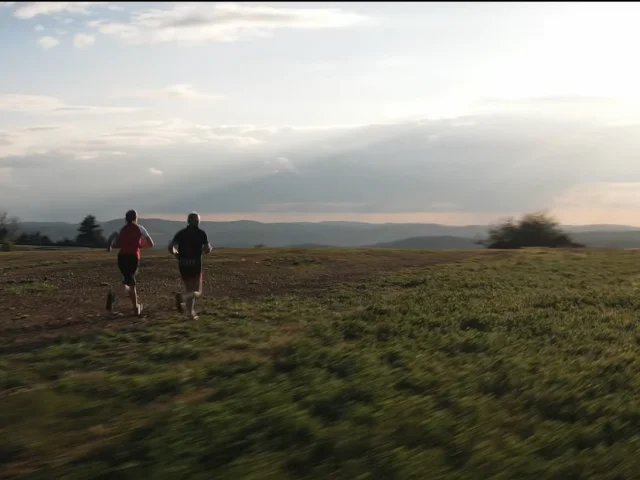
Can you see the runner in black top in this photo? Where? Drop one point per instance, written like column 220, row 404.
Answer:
column 187, row 246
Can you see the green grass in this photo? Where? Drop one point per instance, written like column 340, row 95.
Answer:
column 31, row 287
column 524, row 366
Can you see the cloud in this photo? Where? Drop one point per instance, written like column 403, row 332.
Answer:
column 87, row 141
column 67, row 21
column 155, row 171
column 83, row 40
column 48, row 141
column 48, row 42
column 597, row 109
column 91, row 155
column 44, row 128
column 221, row 22
column 623, row 195
column 280, row 164
column 92, row 109
column 321, row 67
column 5, row 139
column 32, row 140
column 485, row 164
column 39, row 28
column 600, row 202
column 180, row 91
column 27, row 10
column 392, row 62
column 60, row 31
column 13, row 102
column 176, row 131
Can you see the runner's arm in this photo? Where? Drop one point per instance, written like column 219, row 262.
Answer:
column 172, row 245
column 206, row 246
column 112, row 241
column 147, row 241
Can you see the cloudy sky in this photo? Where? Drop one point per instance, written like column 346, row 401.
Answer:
column 450, row 112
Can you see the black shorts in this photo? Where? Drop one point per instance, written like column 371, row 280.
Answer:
column 128, row 265
column 190, row 269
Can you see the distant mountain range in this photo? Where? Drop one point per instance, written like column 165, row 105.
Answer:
column 443, row 242
column 343, row 234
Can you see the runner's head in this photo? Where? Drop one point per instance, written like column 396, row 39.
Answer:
column 131, row 216
column 193, row 220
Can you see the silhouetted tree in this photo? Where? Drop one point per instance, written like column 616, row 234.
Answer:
column 90, row 233
column 8, row 231
column 8, row 227
column 532, row 230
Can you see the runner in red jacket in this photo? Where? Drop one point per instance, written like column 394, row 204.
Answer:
column 131, row 238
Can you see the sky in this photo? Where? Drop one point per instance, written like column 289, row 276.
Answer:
column 458, row 113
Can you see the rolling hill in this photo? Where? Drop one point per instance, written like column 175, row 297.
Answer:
column 245, row 233
column 593, row 239
column 444, row 242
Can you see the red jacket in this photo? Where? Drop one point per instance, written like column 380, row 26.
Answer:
column 130, row 239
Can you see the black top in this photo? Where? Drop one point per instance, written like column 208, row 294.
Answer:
column 190, row 241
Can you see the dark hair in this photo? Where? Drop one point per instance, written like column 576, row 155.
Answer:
column 193, row 219
column 131, row 216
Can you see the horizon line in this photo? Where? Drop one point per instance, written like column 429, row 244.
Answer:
column 467, row 225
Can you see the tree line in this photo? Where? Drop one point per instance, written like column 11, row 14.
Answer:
column 89, row 235
column 532, row 230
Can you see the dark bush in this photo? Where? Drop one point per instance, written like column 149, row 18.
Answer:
column 532, row 230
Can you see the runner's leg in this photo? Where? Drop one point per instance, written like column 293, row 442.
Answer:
column 193, row 287
column 129, row 267
column 128, row 288
column 180, row 296
column 121, row 288
column 179, row 302
column 133, row 295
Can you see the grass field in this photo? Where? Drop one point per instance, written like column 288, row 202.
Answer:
column 357, row 364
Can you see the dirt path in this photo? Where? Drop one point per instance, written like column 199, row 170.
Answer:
column 49, row 295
